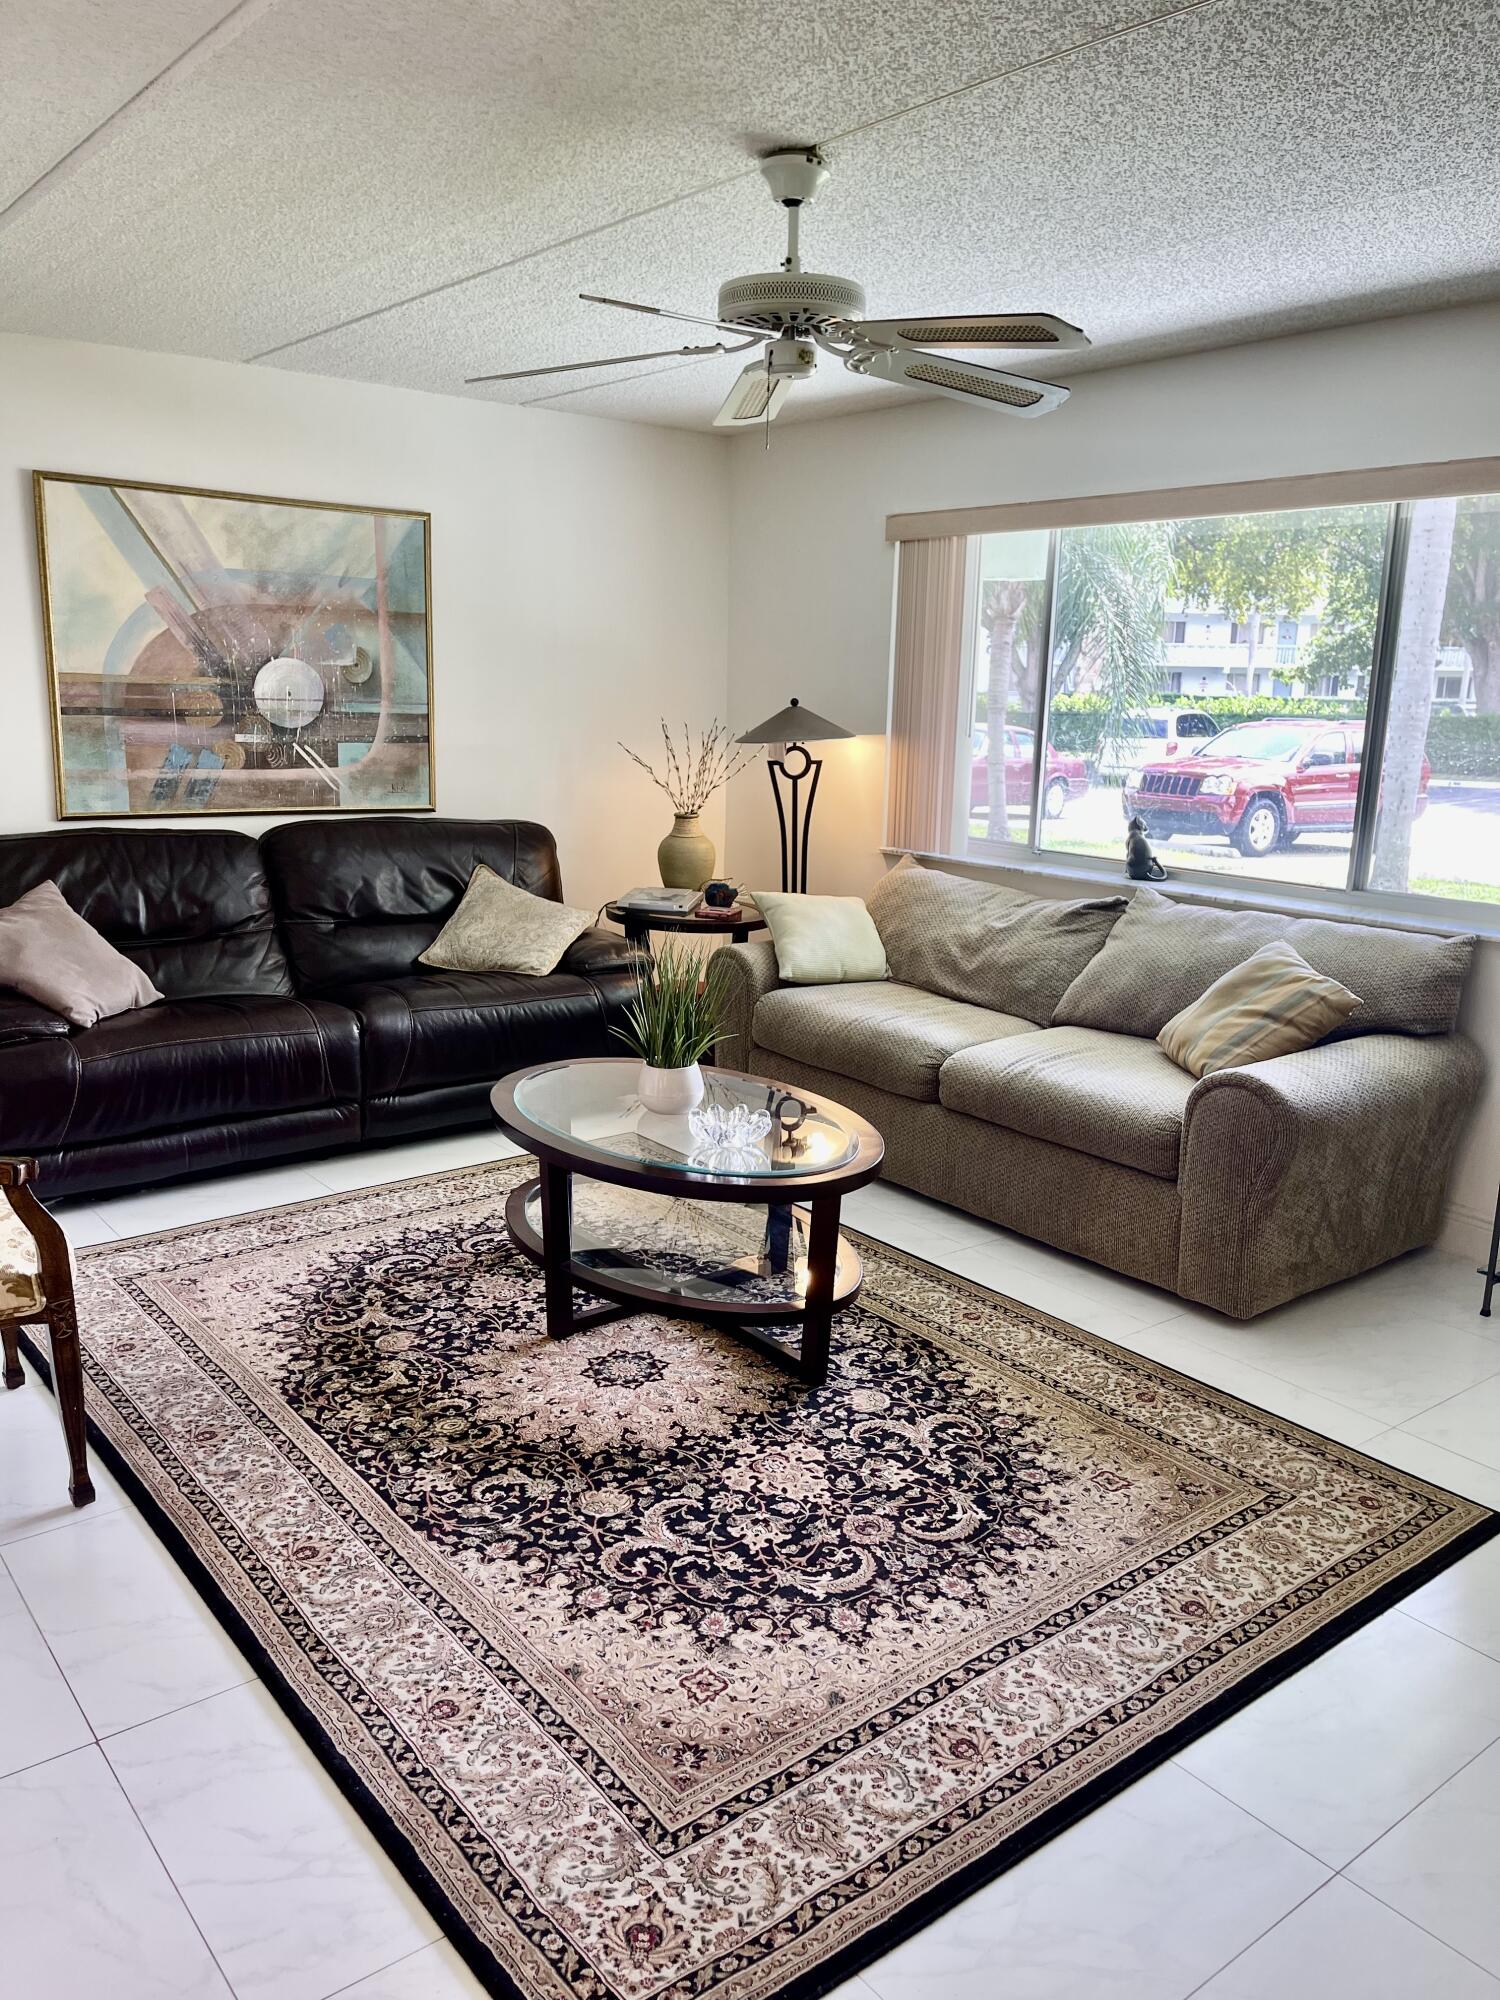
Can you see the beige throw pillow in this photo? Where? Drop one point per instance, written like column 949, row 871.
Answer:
column 822, row 940
column 1270, row 1005
column 49, row 953
column 500, row 928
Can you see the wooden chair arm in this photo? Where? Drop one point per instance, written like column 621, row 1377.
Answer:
column 16, row 1172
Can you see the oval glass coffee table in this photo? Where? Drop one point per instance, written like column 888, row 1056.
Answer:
column 729, row 1214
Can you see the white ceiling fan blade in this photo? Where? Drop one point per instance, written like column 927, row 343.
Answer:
column 974, row 330
column 965, row 380
column 609, row 361
column 755, row 398
column 661, row 312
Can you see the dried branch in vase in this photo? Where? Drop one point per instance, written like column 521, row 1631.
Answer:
column 691, row 778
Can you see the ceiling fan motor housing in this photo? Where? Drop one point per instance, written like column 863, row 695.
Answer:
column 789, row 301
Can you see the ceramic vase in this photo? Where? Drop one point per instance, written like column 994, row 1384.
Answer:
column 670, row 1090
column 686, row 856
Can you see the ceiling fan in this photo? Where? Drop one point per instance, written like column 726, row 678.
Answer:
column 791, row 313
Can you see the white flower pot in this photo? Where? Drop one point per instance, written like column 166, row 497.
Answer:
column 670, row 1090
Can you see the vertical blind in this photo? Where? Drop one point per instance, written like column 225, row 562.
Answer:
column 925, row 692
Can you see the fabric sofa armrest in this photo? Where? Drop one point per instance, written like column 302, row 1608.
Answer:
column 742, row 974
column 1314, row 1166
column 23, row 1020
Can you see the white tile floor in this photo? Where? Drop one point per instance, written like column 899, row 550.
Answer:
column 164, row 1833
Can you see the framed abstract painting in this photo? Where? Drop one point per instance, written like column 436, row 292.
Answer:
column 228, row 653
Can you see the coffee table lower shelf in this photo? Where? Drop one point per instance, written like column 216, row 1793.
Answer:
column 694, row 1260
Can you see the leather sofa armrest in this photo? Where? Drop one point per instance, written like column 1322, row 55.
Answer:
column 742, row 975
column 1314, row 1166
column 613, row 966
column 599, row 950
column 23, row 1020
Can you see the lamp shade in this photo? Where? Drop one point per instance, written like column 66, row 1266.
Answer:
column 795, row 724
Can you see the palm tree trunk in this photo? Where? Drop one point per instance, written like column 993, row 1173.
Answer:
column 1423, row 597
column 1004, row 620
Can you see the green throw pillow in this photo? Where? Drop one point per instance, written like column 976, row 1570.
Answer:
column 822, row 940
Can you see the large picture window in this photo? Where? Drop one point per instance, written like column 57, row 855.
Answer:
column 1308, row 697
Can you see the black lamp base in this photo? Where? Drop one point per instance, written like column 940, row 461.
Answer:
column 792, row 769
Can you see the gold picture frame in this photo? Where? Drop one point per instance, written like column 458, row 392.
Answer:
column 212, row 653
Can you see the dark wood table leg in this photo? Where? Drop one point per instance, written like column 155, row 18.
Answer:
column 822, row 1269
column 557, row 1247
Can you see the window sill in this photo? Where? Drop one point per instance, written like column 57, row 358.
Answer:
column 1427, row 915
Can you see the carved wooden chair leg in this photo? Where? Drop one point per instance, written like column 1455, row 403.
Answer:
column 67, row 1380
column 47, row 1299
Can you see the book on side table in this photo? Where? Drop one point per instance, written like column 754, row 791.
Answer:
column 663, row 902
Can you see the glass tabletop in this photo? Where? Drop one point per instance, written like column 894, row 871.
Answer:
column 744, row 1128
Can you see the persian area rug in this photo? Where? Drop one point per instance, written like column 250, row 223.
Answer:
column 663, row 1675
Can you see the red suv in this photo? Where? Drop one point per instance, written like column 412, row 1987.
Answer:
column 1067, row 776
column 1258, row 784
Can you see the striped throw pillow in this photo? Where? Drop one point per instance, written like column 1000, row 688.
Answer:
column 1269, row 1005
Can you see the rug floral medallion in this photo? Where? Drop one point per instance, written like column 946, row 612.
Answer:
column 662, row 1673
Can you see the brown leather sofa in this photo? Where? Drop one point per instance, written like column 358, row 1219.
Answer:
column 295, row 1017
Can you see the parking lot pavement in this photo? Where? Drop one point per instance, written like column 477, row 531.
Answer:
column 1454, row 840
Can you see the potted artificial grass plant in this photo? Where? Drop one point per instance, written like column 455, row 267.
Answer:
column 671, row 1026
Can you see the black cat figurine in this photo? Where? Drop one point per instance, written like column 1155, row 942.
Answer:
column 1141, row 865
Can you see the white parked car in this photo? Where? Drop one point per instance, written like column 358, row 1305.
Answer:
column 1160, row 732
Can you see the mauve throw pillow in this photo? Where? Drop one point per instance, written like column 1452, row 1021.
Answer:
column 51, row 955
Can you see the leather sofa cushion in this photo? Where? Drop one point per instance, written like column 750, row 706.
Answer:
column 985, row 944
column 1111, row 1096
column 438, row 1028
column 885, row 1033
column 1163, row 955
column 179, row 1063
column 191, row 909
column 363, row 899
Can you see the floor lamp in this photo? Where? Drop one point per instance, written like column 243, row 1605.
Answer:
column 794, row 728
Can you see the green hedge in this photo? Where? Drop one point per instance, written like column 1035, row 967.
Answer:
column 1464, row 746
column 1458, row 746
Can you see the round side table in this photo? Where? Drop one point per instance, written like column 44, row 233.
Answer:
column 639, row 924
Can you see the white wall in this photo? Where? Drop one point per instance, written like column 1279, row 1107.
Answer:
column 811, row 575
column 579, row 569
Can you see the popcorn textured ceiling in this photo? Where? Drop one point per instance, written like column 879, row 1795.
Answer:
column 411, row 195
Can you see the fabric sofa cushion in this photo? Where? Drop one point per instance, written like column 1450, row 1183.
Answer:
column 986, row 944
column 1111, row 1096
column 1162, row 955
column 897, row 1037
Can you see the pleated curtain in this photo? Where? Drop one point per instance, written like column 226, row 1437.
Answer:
column 924, row 693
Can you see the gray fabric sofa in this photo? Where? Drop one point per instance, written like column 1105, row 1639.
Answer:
column 1010, row 1061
